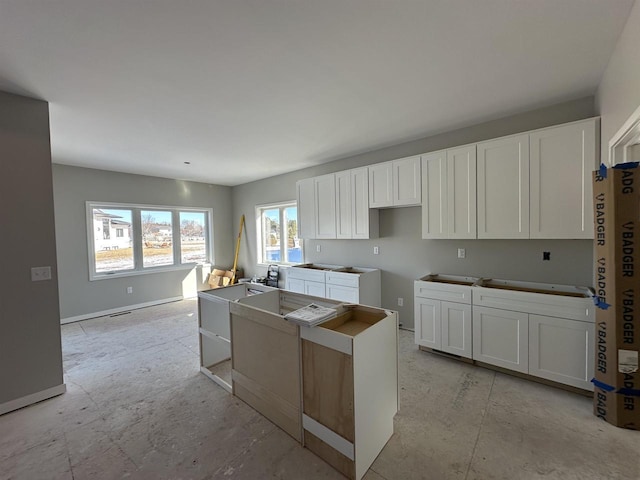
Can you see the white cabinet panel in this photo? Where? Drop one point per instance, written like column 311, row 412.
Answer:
column 461, row 192
column 407, row 183
column 342, row 293
column 562, row 159
column 501, row 338
column 456, row 328
column 381, row 185
column 395, row 184
column 325, row 206
column 449, row 193
column 561, row 350
column 343, row 204
column 364, row 221
column 306, row 208
column 295, row 285
column 503, row 188
column 434, row 195
column 427, row 323
column 316, row 289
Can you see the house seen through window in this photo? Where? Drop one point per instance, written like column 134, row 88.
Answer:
column 277, row 228
column 127, row 239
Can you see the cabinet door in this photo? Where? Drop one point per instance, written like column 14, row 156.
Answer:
column 295, row 285
column 306, row 208
column 325, row 206
column 316, row 289
column 364, row 221
column 407, row 182
column 342, row 293
column 434, row 195
column 503, row 188
column 427, row 322
column 561, row 350
column 461, row 192
column 456, row 328
column 501, row 337
column 562, row 159
column 380, row 185
column 344, row 208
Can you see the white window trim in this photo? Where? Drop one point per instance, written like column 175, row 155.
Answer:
column 259, row 238
column 137, row 242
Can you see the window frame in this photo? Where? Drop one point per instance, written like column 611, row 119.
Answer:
column 136, row 239
column 281, row 206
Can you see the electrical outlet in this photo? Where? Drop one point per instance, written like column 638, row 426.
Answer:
column 400, row 302
column 129, row 289
column 39, row 274
column 462, row 253
column 318, row 248
column 376, row 250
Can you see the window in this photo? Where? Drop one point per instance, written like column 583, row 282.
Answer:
column 134, row 239
column 157, row 238
column 277, row 229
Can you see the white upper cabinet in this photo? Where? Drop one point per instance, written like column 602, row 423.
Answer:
column 336, row 206
column 461, row 192
column 364, row 221
column 449, row 193
column 325, row 206
column 306, row 208
column 562, row 159
column 407, row 184
column 503, row 187
column 396, row 183
column 434, row 195
column 381, row 185
column 344, row 199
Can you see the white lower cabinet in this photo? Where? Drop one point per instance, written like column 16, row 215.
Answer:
column 358, row 285
column 501, row 338
column 456, row 328
column 427, row 323
column 440, row 323
column 308, row 287
column 561, row 350
column 542, row 330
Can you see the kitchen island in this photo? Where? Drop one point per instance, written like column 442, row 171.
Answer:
column 333, row 387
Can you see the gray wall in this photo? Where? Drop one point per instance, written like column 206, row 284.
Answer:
column 404, row 256
column 30, row 353
column 73, row 186
column 618, row 95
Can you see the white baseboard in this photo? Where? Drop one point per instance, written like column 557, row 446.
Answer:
column 119, row 310
column 33, row 398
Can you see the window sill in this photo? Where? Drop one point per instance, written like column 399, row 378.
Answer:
column 148, row 271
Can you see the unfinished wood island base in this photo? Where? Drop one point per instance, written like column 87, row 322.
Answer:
column 333, row 387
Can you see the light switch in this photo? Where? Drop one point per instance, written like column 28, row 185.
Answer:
column 39, row 274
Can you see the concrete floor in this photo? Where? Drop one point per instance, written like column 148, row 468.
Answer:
column 137, row 407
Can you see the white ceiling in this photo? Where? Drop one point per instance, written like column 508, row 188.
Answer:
column 246, row 89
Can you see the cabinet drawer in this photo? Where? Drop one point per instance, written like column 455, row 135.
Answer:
column 344, row 279
column 443, row 291
column 561, row 306
column 342, row 294
column 310, row 274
